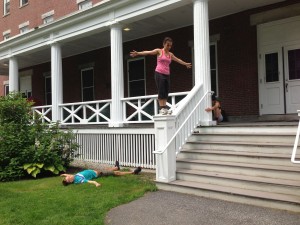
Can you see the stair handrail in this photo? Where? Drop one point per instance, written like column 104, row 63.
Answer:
column 188, row 131
column 293, row 158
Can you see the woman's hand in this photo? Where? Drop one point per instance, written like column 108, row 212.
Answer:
column 133, row 53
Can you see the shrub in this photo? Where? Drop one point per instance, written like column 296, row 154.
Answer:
column 29, row 146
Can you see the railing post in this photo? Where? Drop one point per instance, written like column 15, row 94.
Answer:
column 165, row 127
column 294, row 153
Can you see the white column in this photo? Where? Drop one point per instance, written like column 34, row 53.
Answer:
column 201, row 54
column 165, row 162
column 13, row 74
column 117, row 78
column 56, row 80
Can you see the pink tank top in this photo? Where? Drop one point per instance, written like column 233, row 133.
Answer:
column 163, row 63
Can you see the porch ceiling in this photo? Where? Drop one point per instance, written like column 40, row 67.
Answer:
column 139, row 27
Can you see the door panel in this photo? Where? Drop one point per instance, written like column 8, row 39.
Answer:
column 292, row 78
column 271, row 82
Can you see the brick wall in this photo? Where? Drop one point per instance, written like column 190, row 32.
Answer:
column 32, row 12
column 2, row 79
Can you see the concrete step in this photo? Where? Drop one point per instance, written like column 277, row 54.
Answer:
column 241, row 168
column 282, row 148
column 253, row 197
column 282, row 186
column 237, row 156
column 252, row 138
column 250, row 130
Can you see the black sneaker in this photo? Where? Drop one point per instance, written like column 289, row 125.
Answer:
column 117, row 164
column 137, row 170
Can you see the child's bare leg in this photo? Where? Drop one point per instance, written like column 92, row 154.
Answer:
column 119, row 173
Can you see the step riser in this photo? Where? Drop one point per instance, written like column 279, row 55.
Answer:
column 234, row 158
column 291, row 130
column 237, row 147
column 233, row 198
column 290, row 175
column 273, row 188
column 244, row 138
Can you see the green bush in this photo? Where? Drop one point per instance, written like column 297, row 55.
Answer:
column 28, row 146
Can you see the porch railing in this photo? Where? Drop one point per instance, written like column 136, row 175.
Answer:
column 141, row 109
column 293, row 158
column 188, row 117
column 136, row 110
column 44, row 112
column 93, row 112
column 132, row 147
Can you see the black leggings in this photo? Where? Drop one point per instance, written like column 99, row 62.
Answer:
column 163, row 84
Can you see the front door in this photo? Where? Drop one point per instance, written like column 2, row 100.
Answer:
column 292, row 78
column 279, row 80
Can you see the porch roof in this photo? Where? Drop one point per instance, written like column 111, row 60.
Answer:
column 87, row 30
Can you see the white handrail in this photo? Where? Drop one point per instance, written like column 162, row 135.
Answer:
column 192, row 112
column 293, row 158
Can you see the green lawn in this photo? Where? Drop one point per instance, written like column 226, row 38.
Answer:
column 47, row 201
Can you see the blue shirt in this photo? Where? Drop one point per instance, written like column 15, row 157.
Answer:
column 84, row 176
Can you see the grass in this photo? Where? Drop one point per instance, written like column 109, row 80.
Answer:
column 47, row 202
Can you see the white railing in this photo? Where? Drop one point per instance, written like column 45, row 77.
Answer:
column 293, row 158
column 142, row 109
column 188, row 117
column 93, row 112
column 44, row 112
column 132, row 147
column 135, row 110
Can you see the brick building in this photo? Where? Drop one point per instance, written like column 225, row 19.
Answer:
column 234, row 43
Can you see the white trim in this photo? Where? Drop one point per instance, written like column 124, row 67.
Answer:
column 50, row 13
column 6, row 32
column 24, row 24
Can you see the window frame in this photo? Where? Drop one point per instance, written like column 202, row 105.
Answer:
column 93, row 86
column 84, row 4
column 46, row 16
column 6, row 7
column 128, row 78
column 23, row 4
column 47, row 75
column 215, row 69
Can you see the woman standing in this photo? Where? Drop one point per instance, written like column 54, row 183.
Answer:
column 162, row 71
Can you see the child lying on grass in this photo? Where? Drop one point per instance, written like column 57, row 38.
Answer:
column 87, row 176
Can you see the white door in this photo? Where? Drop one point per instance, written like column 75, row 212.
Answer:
column 292, row 77
column 271, row 83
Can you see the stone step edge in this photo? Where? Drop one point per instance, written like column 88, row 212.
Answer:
column 237, row 153
column 244, row 165
column 197, row 133
column 259, row 144
column 238, row 191
column 254, row 179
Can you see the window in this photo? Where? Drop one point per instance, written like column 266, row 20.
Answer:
column 6, row 36
column 48, row 89
column 271, row 61
column 84, row 4
column 87, row 84
column 23, row 2
column 136, row 77
column 6, row 89
column 214, row 68
column 294, row 64
column 24, row 29
column 6, row 5
column 48, row 17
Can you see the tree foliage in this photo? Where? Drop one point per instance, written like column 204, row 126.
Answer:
column 28, row 146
